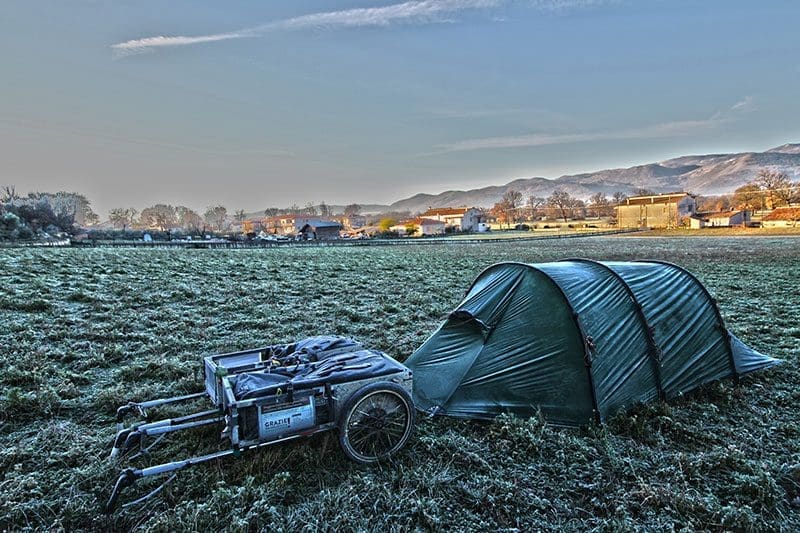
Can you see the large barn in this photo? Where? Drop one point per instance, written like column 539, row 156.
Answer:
column 319, row 230
column 655, row 211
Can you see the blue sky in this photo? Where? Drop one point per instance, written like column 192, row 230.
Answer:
column 256, row 104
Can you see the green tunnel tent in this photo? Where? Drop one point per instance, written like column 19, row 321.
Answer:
column 577, row 339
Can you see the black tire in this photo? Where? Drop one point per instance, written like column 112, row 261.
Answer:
column 376, row 422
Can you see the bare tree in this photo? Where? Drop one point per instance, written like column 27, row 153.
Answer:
column 563, row 202
column 534, row 204
column 8, row 194
column 777, row 186
column 271, row 211
column 160, row 216
column 500, row 212
column 598, row 202
column 310, row 209
column 240, row 215
column 352, row 209
column 324, row 209
column 122, row 217
column 749, row 196
column 618, row 197
column 188, row 219
column 68, row 205
column 216, row 217
column 511, row 200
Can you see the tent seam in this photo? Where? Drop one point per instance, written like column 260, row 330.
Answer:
column 726, row 338
column 654, row 350
column 584, row 340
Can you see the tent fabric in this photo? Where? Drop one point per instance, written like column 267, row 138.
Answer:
column 578, row 340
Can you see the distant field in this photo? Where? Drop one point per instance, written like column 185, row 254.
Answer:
column 86, row 330
column 725, row 232
column 526, row 234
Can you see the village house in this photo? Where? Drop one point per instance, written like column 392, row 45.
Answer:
column 782, row 217
column 249, row 226
column 722, row 219
column 353, row 222
column 655, row 211
column 320, row 230
column 281, row 224
column 459, row 218
column 291, row 224
column 421, row 226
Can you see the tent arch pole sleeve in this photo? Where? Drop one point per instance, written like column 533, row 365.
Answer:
column 494, row 267
column 655, row 351
column 587, row 350
column 711, row 300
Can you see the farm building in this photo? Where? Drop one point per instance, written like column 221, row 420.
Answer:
column 422, row 226
column 783, row 217
column 460, row 218
column 655, row 211
column 291, row 224
column 321, row 230
column 253, row 225
column 284, row 224
column 721, row 219
column 351, row 222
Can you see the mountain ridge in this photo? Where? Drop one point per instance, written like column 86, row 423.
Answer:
column 710, row 174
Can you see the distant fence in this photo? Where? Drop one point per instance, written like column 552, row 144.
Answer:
column 178, row 244
column 339, row 242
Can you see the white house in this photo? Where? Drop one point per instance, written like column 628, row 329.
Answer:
column 421, row 226
column 460, row 218
column 782, row 217
column 721, row 219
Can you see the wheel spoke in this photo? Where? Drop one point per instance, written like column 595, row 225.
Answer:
column 377, row 425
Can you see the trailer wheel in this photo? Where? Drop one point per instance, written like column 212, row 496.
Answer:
column 376, row 422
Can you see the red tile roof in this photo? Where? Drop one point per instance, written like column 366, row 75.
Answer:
column 783, row 213
column 427, row 221
column 441, row 211
column 719, row 214
column 655, row 198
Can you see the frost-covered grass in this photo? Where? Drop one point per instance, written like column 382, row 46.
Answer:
column 83, row 331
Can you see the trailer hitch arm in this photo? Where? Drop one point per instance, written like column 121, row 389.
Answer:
column 126, row 479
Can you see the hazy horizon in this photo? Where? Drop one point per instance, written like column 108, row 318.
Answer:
column 254, row 106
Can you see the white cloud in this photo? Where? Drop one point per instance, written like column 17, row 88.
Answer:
column 667, row 129
column 745, row 104
column 148, row 43
column 417, row 11
column 681, row 128
column 412, row 11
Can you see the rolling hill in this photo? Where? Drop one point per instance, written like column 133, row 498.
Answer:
column 699, row 174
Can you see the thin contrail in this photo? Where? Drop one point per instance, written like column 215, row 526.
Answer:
column 420, row 11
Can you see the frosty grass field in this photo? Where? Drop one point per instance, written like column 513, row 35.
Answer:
column 83, row 331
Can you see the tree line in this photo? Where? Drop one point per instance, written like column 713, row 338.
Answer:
column 166, row 217
column 513, row 208
column 42, row 215
column 769, row 189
